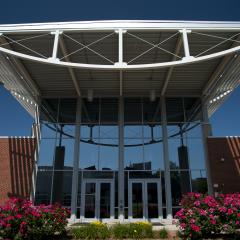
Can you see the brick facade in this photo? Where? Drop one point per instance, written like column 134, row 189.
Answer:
column 224, row 156
column 16, row 164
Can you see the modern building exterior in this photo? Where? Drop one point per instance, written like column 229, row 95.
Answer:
column 121, row 110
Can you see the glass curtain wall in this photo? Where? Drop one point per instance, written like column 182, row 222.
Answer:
column 55, row 163
column 99, row 146
column 98, row 153
column 143, row 158
column 186, row 151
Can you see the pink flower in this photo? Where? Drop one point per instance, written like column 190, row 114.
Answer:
column 222, row 209
column 229, row 212
column 18, row 216
column 8, row 225
column 195, row 228
column 213, row 221
column 192, row 221
column 203, row 212
column 183, row 226
column 197, row 203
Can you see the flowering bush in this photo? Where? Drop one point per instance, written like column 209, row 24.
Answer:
column 20, row 219
column 203, row 216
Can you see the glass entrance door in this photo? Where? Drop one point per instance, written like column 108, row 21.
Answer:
column 145, row 200
column 98, row 199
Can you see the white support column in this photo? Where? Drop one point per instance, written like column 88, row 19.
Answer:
column 185, row 42
column 36, row 134
column 55, row 45
column 120, row 46
column 206, row 131
column 121, row 160
column 76, row 161
column 120, row 62
column 167, row 176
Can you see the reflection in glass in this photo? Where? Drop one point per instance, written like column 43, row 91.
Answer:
column 47, row 152
column 105, row 202
column 176, row 187
column 152, row 196
column 43, row 187
column 62, row 188
column 137, row 200
column 90, row 196
column 199, row 181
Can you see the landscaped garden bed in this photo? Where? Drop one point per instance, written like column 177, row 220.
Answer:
column 201, row 217
column 98, row 230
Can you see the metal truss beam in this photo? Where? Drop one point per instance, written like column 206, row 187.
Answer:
column 70, row 70
column 121, row 66
column 26, row 77
column 170, row 70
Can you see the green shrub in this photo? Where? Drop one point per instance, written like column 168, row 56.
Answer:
column 140, row 230
column 95, row 230
column 120, row 231
column 163, row 233
column 133, row 230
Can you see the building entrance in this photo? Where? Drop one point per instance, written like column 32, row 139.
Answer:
column 98, row 199
column 145, row 199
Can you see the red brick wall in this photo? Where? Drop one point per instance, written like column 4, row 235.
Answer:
column 224, row 157
column 16, row 164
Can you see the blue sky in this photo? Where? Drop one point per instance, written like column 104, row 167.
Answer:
column 13, row 118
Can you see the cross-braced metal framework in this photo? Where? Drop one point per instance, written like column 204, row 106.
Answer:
column 187, row 36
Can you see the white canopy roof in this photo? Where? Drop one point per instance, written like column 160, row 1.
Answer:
column 112, row 58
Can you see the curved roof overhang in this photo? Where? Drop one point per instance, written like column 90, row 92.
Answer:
column 112, row 58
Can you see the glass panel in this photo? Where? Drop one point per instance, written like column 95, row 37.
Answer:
column 196, row 153
column 67, row 111
column 90, row 196
column 144, row 174
column 105, row 200
column 199, row 181
column 98, row 174
column 48, row 130
column 153, row 155
column 69, row 150
column 108, row 158
column 62, row 186
column 137, row 200
column 152, row 195
column 176, row 188
column 46, row 155
column 134, row 156
column 43, row 192
column 88, row 156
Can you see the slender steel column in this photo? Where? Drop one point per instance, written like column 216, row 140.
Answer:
column 36, row 134
column 121, row 159
column 76, row 161
column 167, row 176
column 206, row 131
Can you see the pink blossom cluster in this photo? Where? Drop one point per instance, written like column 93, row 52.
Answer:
column 203, row 215
column 20, row 219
